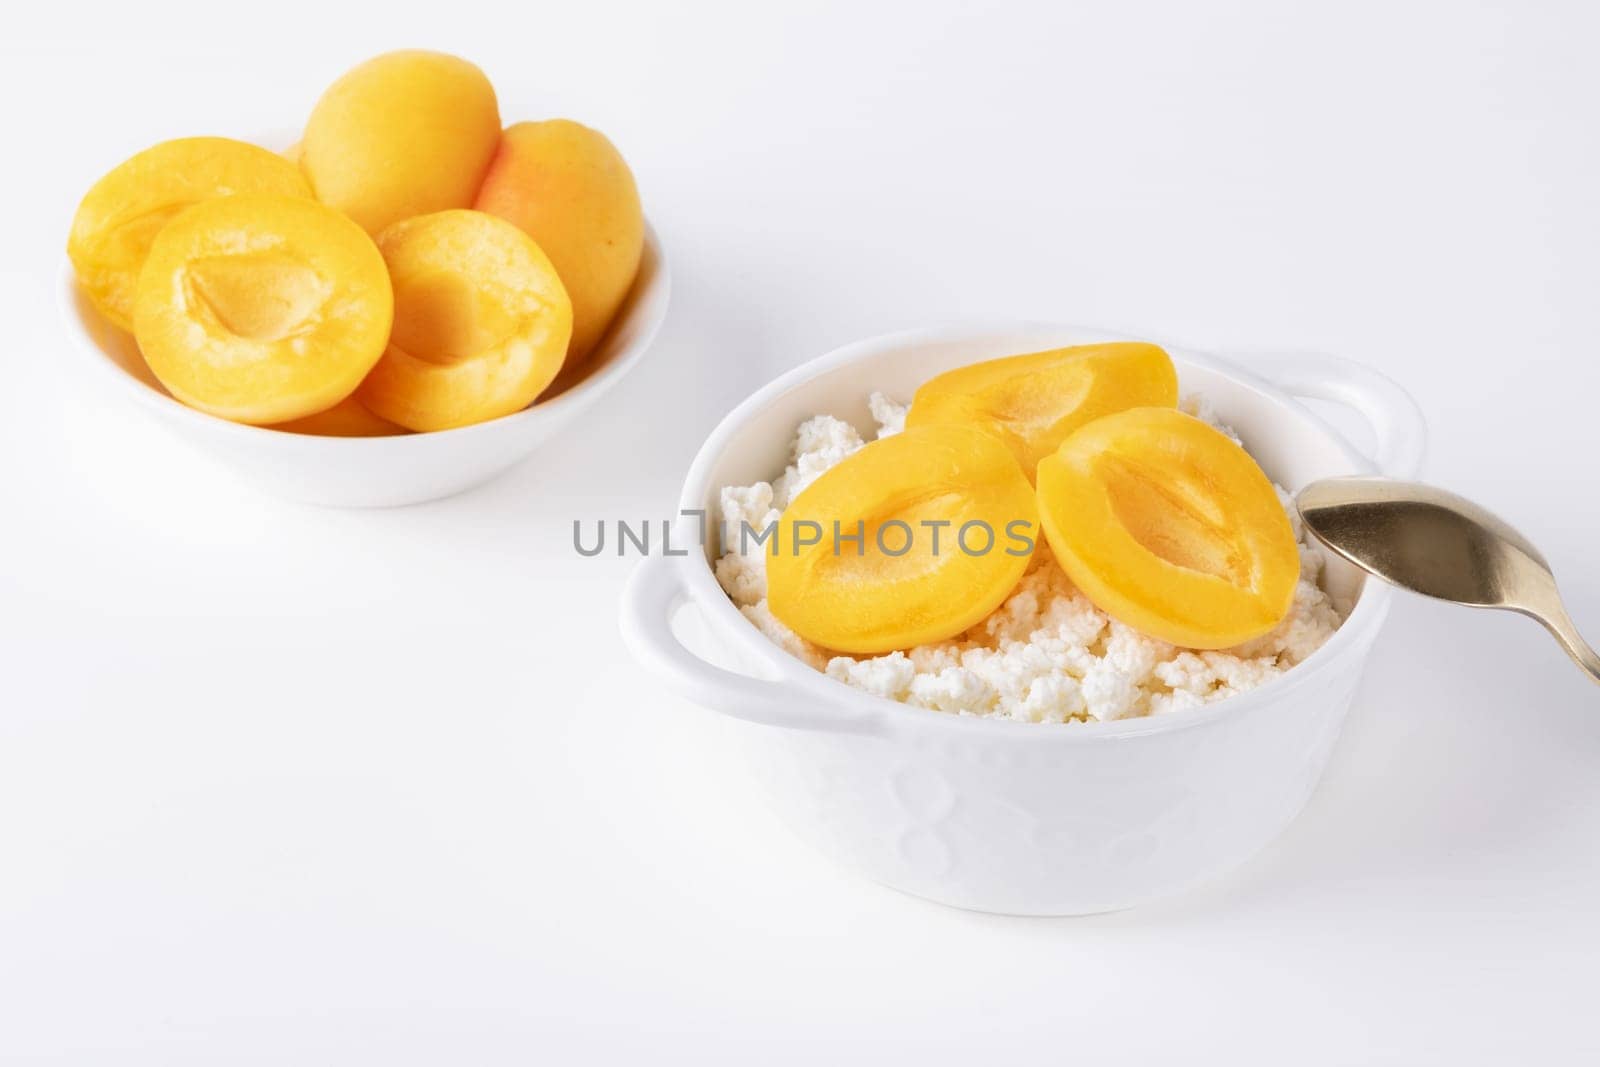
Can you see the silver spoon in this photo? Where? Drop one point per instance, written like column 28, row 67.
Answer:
column 1440, row 545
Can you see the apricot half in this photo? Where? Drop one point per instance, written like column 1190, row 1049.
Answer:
column 1033, row 402
column 947, row 524
column 568, row 188
column 348, row 418
column 120, row 216
column 1170, row 527
column 404, row 134
column 481, row 322
column 262, row 308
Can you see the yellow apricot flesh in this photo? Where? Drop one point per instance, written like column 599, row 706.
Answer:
column 481, row 322
column 1169, row 526
column 348, row 418
column 1032, row 402
column 568, row 188
column 403, row 134
column 262, row 308
column 119, row 217
column 947, row 524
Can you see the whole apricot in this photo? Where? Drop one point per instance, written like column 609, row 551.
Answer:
column 404, row 134
column 121, row 214
column 568, row 188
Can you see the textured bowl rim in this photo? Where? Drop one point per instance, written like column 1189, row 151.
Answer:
column 1372, row 603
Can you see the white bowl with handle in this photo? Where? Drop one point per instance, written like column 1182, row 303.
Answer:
column 372, row 471
column 1001, row 816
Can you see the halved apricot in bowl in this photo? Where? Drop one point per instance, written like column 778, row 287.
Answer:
column 918, row 536
column 262, row 308
column 1032, row 402
column 348, row 418
column 1168, row 526
column 119, row 217
column 481, row 322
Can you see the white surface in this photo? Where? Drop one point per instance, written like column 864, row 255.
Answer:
column 287, row 785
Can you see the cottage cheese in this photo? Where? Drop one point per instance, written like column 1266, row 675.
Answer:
column 1045, row 655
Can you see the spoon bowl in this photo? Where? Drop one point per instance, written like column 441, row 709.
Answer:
column 1441, row 545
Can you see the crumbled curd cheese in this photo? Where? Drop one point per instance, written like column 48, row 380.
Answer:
column 1046, row 654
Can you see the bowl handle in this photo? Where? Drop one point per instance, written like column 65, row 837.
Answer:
column 1396, row 421
column 652, row 597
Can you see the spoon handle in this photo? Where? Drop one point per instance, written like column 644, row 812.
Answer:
column 1565, row 631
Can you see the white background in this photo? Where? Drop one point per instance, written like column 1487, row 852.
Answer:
column 284, row 785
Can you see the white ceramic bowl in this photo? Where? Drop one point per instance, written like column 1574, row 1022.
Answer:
column 373, row 471
column 1015, row 817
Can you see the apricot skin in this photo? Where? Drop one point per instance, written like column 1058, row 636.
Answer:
column 481, row 322
column 404, row 134
column 568, row 188
column 122, row 213
column 262, row 308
